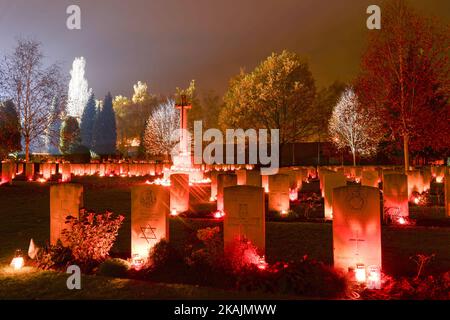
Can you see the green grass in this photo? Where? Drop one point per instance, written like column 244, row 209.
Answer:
column 24, row 212
column 30, row 283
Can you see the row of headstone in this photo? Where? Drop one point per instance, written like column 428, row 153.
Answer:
column 123, row 169
column 356, row 225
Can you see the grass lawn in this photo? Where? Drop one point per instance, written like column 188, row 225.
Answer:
column 24, row 212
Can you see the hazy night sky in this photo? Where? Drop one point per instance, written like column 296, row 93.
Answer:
column 166, row 43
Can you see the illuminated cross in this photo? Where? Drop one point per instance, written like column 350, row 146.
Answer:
column 151, row 233
column 183, row 106
column 357, row 240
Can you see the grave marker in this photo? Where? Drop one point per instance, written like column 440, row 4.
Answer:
column 244, row 216
column 149, row 217
column 65, row 200
column 356, row 227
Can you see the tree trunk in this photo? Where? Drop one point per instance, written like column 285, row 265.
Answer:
column 406, row 151
column 354, row 158
column 27, row 150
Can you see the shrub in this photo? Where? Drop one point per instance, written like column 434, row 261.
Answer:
column 164, row 256
column 54, row 257
column 304, row 277
column 427, row 288
column 210, row 252
column 114, row 268
column 91, row 236
column 242, row 255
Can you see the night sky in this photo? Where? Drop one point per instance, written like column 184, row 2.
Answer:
column 167, row 42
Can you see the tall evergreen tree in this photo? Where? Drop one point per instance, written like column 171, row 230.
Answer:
column 9, row 129
column 88, row 121
column 70, row 135
column 105, row 134
column 52, row 134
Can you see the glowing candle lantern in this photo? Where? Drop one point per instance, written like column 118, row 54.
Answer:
column 219, row 214
column 262, row 264
column 293, row 194
column 17, row 262
column 401, row 220
column 373, row 277
column 360, row 273
column 137, row 262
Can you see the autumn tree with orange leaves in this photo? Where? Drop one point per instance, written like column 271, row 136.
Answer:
column 404, row 78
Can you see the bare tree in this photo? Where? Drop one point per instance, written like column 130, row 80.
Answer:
column 351, row 126
column 162, row 126
column 33, row 88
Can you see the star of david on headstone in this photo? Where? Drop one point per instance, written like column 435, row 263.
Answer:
column 148, row 233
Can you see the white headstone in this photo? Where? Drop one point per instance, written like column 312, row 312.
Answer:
column 179, row 193
column 224, row 180
column 331, row 180
column 415, row 182
column 213, row 177
column 356, row 227
column 29, row 171
column 7, row 172
column 395, row 194
column 248, row 177
column 279, row 193
column 65, row 200
column 66, row 176
column 369, row 178
column 244, row 216
column 149, row 217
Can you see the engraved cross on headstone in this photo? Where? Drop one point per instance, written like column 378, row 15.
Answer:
column 357, row 240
